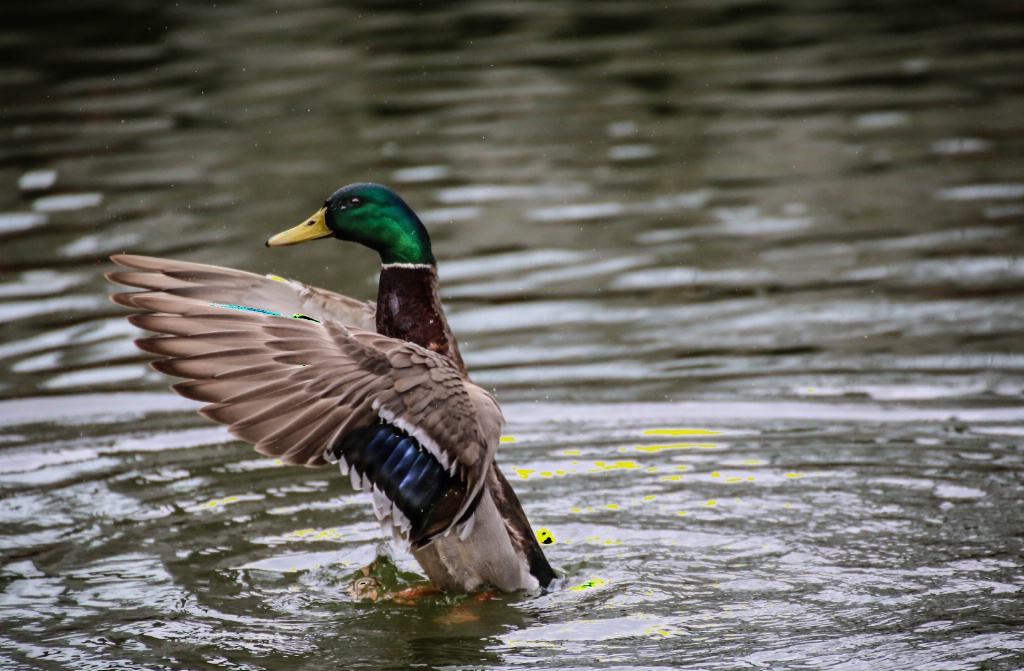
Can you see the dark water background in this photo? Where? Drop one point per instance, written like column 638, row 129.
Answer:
column 745, row 275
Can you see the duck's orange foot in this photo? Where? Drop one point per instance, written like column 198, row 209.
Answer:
column 464, row 612
column 409, row 595
column 485, row 596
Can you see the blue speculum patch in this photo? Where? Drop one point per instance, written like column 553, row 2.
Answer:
column 261, row 311
column 399, row 466
column 247, row 309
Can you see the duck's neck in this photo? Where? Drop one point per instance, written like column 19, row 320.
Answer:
column 409, row 308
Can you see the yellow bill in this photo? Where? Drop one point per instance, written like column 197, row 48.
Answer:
column 313, row 228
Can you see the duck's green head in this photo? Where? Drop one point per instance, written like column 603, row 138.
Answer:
column 372, row 215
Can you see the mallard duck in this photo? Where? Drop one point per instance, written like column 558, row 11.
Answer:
column 313, row 378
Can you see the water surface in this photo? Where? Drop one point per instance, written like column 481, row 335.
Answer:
column 746, row 278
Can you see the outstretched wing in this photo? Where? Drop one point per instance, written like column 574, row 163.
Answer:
column 401, row 419
column 237, row 288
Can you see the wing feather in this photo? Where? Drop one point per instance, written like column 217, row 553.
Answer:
column 206, row 284
column 297, row 389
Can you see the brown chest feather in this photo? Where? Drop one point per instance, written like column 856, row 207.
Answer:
column 409, row 308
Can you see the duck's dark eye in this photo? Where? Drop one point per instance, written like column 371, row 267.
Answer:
column 355, row 201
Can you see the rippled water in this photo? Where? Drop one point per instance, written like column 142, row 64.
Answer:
column 746, row 277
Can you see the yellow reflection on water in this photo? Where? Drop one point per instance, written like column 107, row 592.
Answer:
column 603, row 466
column 681, row 432
column 545, row 536
column 677, row 446
column 596, row 582
column 222, row 502
column 226, row 501
column 314, row 535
